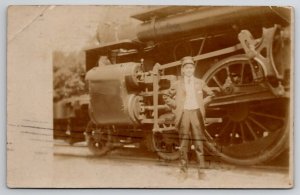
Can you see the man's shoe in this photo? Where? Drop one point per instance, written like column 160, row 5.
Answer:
column 183, row 175
column 201, row 174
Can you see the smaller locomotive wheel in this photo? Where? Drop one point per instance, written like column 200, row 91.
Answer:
column 166, row 144
column 98, row 139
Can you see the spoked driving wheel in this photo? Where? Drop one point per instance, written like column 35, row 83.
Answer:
column 252, row 126
column 98, row 139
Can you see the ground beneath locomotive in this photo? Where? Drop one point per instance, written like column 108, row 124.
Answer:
column 135, row 167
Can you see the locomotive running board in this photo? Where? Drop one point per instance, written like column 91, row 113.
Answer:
column 242, row 98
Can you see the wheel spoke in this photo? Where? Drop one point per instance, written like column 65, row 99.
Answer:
column 242, row 72
column 267, row 115
column 251, row 130
column 242, row 132
column 217, row 82
column 258, row 124
column 252, row 70
column 227, row 71
column 224, row 128
column 233, row 132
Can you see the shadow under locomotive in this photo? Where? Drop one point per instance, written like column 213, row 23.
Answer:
column 242, row 53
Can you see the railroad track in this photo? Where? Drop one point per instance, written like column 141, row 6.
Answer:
column 63, row 150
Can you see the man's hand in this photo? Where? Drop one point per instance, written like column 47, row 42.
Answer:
column 169, row 101
column 207, row 100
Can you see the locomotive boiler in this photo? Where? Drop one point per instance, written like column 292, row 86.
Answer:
column 242, row 53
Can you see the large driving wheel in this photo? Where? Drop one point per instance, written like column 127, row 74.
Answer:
column 253, row 124
column 98, row 139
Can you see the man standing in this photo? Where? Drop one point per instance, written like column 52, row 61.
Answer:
column 190, row 112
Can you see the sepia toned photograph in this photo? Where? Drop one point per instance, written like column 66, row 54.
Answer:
column 142, row 96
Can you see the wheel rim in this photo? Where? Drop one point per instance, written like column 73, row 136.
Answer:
column 250, row 132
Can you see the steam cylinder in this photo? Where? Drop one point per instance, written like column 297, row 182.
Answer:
column 112, row 91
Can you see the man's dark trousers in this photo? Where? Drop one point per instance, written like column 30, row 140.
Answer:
column 191, row 119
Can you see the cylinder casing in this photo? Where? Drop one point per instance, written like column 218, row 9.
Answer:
column 112, row 94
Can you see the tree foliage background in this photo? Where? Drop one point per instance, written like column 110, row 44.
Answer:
column 96, row 25
column 68, row 73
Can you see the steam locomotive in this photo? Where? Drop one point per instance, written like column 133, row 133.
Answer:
column 242, row 53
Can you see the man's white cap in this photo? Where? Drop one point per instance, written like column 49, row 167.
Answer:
column 187, row 60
